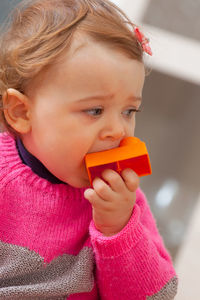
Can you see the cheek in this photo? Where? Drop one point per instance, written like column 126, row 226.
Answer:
column 63, row 133
column 131, row 127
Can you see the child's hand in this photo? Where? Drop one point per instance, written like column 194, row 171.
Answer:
column 113, row 201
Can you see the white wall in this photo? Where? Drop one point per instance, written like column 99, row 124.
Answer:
column 188, row 260
column 173, row 53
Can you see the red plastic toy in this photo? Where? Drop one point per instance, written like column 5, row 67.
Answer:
column 132, row 153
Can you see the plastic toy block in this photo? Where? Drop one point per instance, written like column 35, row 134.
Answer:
column 131, row 153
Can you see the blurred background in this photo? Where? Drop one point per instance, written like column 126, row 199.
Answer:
column 170, row 126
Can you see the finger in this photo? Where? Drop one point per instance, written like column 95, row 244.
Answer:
column 131, row 179
column 95, row 200
column 114, row 179
column 91, row 196
column 102, row 189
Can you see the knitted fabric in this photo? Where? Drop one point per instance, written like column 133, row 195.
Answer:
column 50, row 248
column 35, row 165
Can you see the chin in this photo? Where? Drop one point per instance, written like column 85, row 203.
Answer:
column 79, row 182
column 84, row 183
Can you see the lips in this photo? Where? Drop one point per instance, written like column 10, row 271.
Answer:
column 103, row 149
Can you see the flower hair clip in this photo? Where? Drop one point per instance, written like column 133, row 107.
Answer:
column 144, row 42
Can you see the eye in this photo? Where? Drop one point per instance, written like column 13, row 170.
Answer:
column 130, row 112
column 94, row 111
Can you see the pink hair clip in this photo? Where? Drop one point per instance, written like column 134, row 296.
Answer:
column 144, row 42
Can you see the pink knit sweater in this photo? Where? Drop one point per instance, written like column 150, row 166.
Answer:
column 50, row 248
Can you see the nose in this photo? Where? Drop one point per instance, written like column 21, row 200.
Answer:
column 113, row 129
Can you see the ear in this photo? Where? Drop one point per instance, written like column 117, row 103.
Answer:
column 17, row 110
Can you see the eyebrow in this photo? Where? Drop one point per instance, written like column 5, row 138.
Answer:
column 105, row 97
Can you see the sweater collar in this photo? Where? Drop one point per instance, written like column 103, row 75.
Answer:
column 35, row 165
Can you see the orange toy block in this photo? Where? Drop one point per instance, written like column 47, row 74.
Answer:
column 132, row 153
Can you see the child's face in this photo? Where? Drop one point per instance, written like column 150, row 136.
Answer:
column 65, row 126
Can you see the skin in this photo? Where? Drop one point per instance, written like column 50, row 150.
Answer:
column 59, row 126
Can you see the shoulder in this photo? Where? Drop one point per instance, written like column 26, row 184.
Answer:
column 9, row 157
column 11, row 165
column 8, row 149
column 6, row 140
column 14, row 173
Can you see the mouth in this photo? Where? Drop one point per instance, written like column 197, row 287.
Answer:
column 104, row 149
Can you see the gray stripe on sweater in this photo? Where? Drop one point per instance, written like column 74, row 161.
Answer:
column 168, row 292
column 25, row 276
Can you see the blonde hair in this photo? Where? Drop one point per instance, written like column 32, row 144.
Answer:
column 40, row 30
